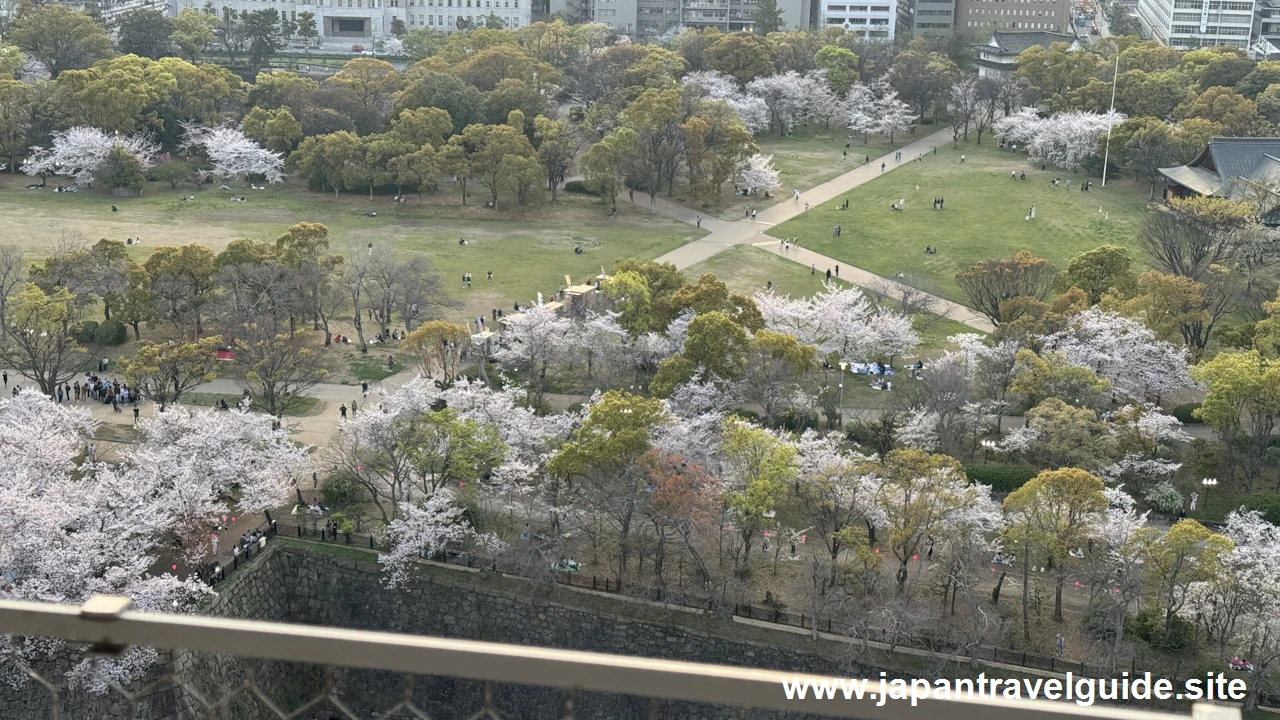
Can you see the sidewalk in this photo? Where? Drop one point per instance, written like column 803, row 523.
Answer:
column 725, row 234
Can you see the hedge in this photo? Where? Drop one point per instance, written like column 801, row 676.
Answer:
column 110, row 333
column 1001, row 478
column 83, row 333
column 1184, row 414
column 578, row 186
column 1268, row 505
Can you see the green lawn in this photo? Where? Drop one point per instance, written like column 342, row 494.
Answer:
column 528, row 252
column 301, row 407
column 984, row 217
column 746, row 269
column 809, row 157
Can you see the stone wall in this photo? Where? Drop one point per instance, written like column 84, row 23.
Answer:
column 296, row 583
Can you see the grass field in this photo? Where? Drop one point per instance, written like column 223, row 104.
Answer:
column 748, row 270
column 984, row 217
column 528, row 252
column 301, row 407
column 809, row 157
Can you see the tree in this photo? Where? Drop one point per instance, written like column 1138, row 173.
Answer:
column 1243, row 405
column 600, row 459
column 758, row 468
column 306, row 23
column 1099, row 271
column 1145, row 145
column 16, row 103
column 559, row 144
column 717, row 344
column 417, row 170
column 742, row 55
column 892, row 115
column 61, row 38
column 264, row 34
column 484, row 147
column 1180, row 246
column 774, row 362
column 1235, row 113
column 277, row 370
column 147, row 33
column 781, row 95
column 438, row 345
column 990, row 283
column 918, row 496
column 758, row 172
column 276, row 130
column 767, row 17
column 1056, row 512
column 152, row 505
column 1139, row 366
column 193, row 33
column 39, row 345
column 164, row 373
column 1188, row 553
column 433, row 89
column 372, row 82
column 182, row 280
column 422, row 126
column 1051, row 376
column 120, row 169
column 80, row 152
column 326, row 158
column 841, row 65
column 137, row 304
column 963, row 107
column 539, row 338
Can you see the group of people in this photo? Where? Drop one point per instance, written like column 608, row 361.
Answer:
column 930, row 250
column 1013, row 174
column 938, row 203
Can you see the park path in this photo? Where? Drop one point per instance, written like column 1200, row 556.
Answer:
column 725, row 234
column 821, row 264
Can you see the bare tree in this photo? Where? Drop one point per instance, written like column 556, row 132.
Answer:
column 277, row 369
column 1179, row 246
column 990, row 283
column 12, row 269
column 355, row 279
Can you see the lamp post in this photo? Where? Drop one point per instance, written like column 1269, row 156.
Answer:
column 1111, row 114
column 987, row 446
column 843, row 366
column 1208, row 483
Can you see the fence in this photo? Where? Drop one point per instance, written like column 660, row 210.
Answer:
column 109, row 622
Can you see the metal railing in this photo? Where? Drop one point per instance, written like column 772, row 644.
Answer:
column 109, row 623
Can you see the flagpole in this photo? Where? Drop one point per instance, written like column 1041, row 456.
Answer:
column 1111, row 114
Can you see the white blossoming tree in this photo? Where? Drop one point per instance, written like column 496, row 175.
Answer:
column 79, row 152
column 758, row 172
column 231, row 153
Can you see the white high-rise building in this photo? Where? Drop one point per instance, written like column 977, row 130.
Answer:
column 1190, row 24
column 348, row 23
column 872, row 19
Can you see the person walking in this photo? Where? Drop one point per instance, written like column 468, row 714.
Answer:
column 364, row 388
column 135, row 414
column 353, row 408
column 881, row 167
column 490, row 278
column 6, row 378
column 753, row 214
column 342, row 412
column 1060, row 643
column 699, row 221
column 828, row 274
column 837, row 271
column 812, row 268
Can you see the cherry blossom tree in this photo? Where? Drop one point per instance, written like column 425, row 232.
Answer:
column 1140, row 366
column 421, row 530
column 79, row 152
column 1019, row 128
column 752, row 110
column 782, row 95
column 231, row 153
column 72, row 526
column 535, row 342
column 860, row 106
column 758, row 172
column 893, row 115
column 1068, row 139
column 839, row 320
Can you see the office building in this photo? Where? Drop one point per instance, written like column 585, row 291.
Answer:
column 872, row 19
column 979, row 16
column 1190, row 24
column 647, row 19
column 343, row 24
column 927, row 17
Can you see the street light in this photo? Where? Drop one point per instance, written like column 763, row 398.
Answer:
column 1208, row 483
column 987, row 446
column 843, row 366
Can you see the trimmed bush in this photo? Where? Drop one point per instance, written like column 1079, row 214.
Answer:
column 578, row 186
column 1268, row 505
column 110, row 333
column 1001, row 478
column 1184, row 413
column 83, row 333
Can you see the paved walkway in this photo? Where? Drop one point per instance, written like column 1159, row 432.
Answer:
column 726, row 234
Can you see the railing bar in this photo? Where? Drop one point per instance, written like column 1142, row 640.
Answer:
column 574, row 670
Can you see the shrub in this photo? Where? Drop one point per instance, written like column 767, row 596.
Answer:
column 83, row 333
column 1148, row 626
column 578, row 186
column 110, row 333
column 1164, row 497
column 1001, row 478
column 1184, row 413
column 1268, row 505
